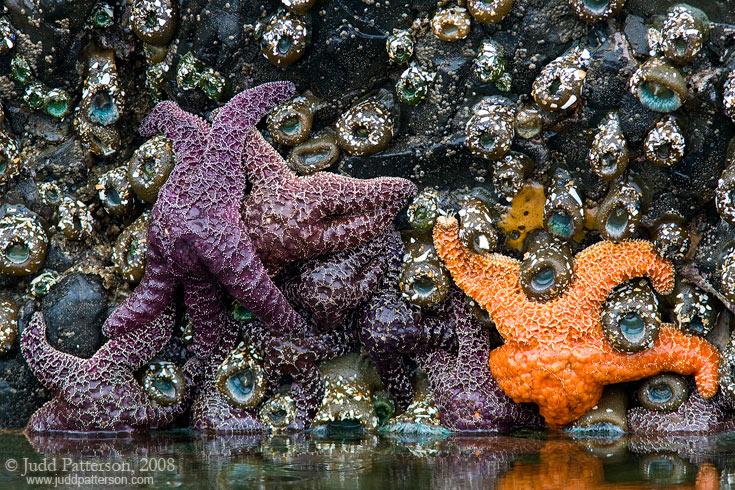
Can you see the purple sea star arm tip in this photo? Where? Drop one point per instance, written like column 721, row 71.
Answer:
column 51, row 366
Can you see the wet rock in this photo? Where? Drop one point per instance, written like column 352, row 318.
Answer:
column 74, row 310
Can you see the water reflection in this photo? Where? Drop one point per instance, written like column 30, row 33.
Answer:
column 182, row 459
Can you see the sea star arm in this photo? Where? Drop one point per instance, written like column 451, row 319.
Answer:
column 673, row 351
column 228, row 142
column 204, row 301
column 474, row 342
column 187, row 132
column 604, row 265
column 490, row 279
column 147, row 301
column 231, row 258
column 330, row 287
column 134, row 348
column 51, row 366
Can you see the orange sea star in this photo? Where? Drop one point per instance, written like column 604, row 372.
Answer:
column 555, row 352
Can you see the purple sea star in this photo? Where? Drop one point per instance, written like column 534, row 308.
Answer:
column 198, row 238
column 211, row 412
column 331, row 286
column 101, row 394
column 390, row 329
column 465, row 392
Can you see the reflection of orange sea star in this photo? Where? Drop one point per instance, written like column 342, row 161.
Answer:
column 564, row 464
column 555, row 353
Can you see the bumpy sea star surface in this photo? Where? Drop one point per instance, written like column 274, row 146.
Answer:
column 212, row 412
column 331, row 286
column 101, row 393
column 467, row 396
column 695, row 415
column 555, row 353
column 325, row 289
column 198, row 238
column 390, row 329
